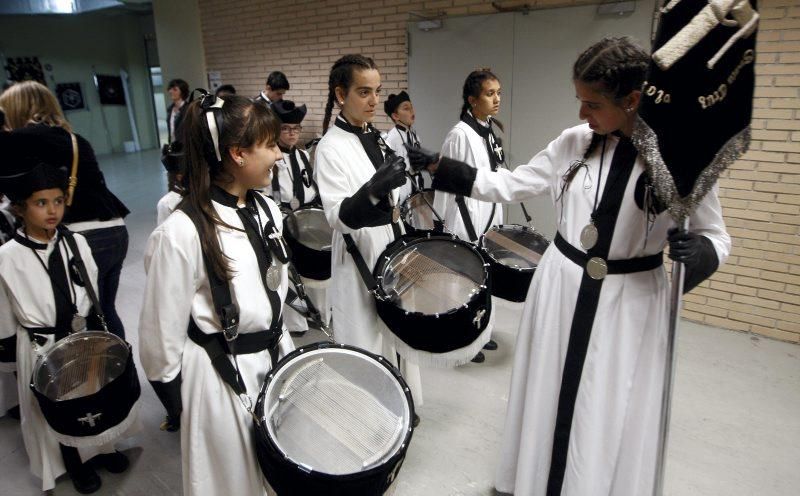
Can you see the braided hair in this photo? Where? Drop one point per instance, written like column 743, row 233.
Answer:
column 473, row 86
column 615, row 67
column 342, row 77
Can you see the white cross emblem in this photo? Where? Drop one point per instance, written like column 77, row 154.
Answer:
column 478, row 318
column 498, row 149
column 90, row 419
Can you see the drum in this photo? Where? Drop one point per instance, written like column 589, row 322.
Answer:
column 434, row 298
column 513, row 253
column 87, row 388
column 332, row 420
column 417, row 211
column 309, row 236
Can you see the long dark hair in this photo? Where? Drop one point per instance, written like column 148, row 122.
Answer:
column 473, row 86
column 342, row 76
column 244, row 124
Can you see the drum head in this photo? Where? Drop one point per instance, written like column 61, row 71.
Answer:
column 310, row 228
column 417, row 212
column 432, row 275
column 80, row 365
column 517, row 247
column 336, row 410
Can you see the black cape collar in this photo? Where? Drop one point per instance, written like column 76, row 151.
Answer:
column 285, row 149
column 342, row 123
column 28, row 242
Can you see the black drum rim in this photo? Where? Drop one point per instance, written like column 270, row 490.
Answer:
column 260, row 424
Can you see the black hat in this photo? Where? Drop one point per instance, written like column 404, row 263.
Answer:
column 22, row 174
column 288, row 112
column 394, row 101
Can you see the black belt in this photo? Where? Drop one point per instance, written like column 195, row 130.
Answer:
column 246, row 343
column 43, row 331
column 598, row 268
column 217, row 348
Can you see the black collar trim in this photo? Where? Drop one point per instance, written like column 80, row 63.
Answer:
column 25, row 241
column 402, row 127
column 222, row 197
column 342, row 123
column 285, row 149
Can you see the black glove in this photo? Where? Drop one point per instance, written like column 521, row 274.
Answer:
column 686, row 247
column 420, row 158
column 390, row 175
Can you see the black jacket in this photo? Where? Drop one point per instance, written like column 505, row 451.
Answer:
column 92, row 200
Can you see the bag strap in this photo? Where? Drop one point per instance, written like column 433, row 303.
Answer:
column 87, row 282
column 73, row 176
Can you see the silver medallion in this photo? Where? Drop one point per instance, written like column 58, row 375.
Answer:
column 294, row 203
column 274, row 277
column 589, row 236
column 597, row 268
column 395, row 214
column 78, row 323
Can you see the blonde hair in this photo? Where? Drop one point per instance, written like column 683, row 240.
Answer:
column 29, row 102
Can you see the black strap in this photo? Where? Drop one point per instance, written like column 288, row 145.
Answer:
column 620, row 266
column 297, row 177
column 465, row 218
column 65, row 308
column 310, row 172
column 227, row 310
column 87, row 282
column 361, row 265
column 276, row 186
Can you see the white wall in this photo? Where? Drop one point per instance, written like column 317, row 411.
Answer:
column 72, row 45
column 180, row 42
column 532, row 55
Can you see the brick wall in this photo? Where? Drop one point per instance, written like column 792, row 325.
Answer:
column 758, row 289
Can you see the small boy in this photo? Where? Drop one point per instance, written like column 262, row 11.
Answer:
column 42, row 299
column 401, row 112
column 275, row 87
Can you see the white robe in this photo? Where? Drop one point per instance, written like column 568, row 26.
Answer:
column 26, row 300
column 166, row 205
column 464, row 144
column 217, row 447
column 613, row 438
column 342, row 167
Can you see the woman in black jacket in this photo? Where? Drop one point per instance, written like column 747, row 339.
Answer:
column 32, row 112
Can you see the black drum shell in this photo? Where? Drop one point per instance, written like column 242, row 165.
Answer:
column 115, row 401
column 430, row 333
column 509, row 283
column 289, row 479
column 310, row 263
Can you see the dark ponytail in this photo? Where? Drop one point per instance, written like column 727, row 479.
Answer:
column 616, row 65
column 342, row 76
column 473, row 86
column 244, row 124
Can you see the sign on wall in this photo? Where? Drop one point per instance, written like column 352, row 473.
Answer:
column 70, row 96
column 110, row 90
column 24, row 69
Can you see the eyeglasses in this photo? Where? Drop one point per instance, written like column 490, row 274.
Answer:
column 291, row 129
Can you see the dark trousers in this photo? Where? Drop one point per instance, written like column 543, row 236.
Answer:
column 109, row 247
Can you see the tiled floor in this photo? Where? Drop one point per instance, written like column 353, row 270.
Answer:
column 736, row 417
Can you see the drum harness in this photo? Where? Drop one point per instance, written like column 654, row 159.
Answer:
column 266, row 243
column 304, row 176
column 494, row 147
column 60, row 330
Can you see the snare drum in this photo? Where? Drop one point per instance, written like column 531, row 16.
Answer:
column 434, row 298
column 309, row 236
column 332, row 420
column 513, row 252
column 417, row 211
column 87, row 388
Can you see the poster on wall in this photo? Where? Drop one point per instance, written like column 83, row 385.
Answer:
column 110, row 90
column 24, row 69
column 70, row 96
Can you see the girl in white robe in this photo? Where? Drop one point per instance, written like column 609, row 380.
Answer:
column 224, row 165
column 587, row 381
column 359, row 188
column 472, row 141
column 35, row 306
